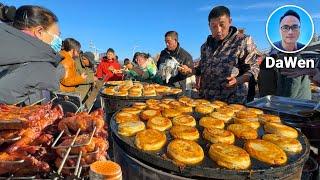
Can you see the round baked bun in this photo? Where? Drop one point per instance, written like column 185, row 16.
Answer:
column 149, row 113
column 130, row 128
column 215, row 135
column 269, row 118
column 204, row 109
column 122, row 117
column 186, row 120
column 266, row 152
column 170, row 113
column 243, row 131
column 185, row 132
column 159, row 123
column 185, row 151
column 210, row 122
column 229, row 156
column 281, row 130
column 289, row 145
column 150, row 140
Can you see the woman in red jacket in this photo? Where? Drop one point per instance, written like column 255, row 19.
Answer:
column 109, row 67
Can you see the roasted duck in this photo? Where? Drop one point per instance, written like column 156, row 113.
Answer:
column 85, row 122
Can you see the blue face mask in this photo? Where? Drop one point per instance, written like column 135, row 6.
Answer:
column 56, row 42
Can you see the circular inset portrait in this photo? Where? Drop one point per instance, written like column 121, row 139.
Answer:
column 289, row 29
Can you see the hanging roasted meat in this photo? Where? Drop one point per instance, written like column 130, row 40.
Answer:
column 85, row 122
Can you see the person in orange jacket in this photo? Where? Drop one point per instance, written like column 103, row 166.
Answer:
column 109, row 68
column 70, row 50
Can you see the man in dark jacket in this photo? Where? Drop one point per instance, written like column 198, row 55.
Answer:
column 184, row 59
column 28, row 67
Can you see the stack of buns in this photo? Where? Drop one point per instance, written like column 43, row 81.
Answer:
column 137, row 89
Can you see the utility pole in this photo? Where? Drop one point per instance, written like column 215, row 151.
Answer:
column 94, row 50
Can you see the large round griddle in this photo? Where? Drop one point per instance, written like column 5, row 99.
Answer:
column 208, row 168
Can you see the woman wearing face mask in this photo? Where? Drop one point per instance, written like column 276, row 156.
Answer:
column 70, row 50
column 29, row 58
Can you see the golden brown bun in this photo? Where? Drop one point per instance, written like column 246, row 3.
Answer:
column 236, row 107
column 201, row 101
column 163, row 89
column 175, row 104
column 159, row 123
column 214, row 106
column 122, row 117
column 121, row 93
column 185, row 132
column 150, row 140
column 210, row 122
column 149, row 88
column 219, row 103
column 287, row 144
column 266, row 152
column 184, row 99
column 170, row 113
column 130, row 128
column 167, row 100
column 134, row 94
column 184, row 109
column 229, row 156
column 149, row 93
column 255, row 110
column 135, row 89
column 152, row 102
column 124, row 87
column 204, row 109
column 175, row 91
column 254, row 123
column 280, row 129
column 186, row 120
column 148, row 114
column 245, row 114
column 267, row 118
column 243, row 131
column 131, row 110
column 225, row 110
column 185, row 151
column 139, row 105
column 115, row 83
column 154, row 107
column 109, row 91
column 224, row 117
column 215, row 135
column 164, row 106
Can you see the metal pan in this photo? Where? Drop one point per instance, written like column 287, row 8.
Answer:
column 285, row 106
column 208, row 168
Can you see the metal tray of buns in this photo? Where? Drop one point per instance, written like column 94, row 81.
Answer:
column 284, row 106
column 208, row 168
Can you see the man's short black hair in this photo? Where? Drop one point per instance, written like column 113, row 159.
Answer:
column 126, row 61
column 110, row 50
column 218, row 11
column 172, row 34
column 290, row 13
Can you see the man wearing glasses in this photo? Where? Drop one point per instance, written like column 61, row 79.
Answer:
column 287, row 86
column 290, row 32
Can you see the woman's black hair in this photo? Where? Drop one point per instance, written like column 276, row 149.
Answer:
column 70, row 43
column 145, row 55
column 29, row 16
